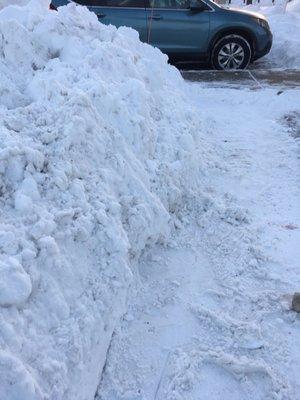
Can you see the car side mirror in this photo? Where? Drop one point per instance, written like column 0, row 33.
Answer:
column 198, row 6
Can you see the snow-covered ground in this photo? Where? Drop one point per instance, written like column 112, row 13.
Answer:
column 124, row 188
column 210, row 318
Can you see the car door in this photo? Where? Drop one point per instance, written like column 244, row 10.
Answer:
column 131, row 13
column 176, row 29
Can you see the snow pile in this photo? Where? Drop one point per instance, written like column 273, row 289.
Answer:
column 100, row 151
column 285, row 25
column 284, row 20
column 5, row 3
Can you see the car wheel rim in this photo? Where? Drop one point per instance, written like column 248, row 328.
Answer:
column 231, row 56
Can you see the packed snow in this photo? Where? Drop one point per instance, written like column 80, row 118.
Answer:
column 211, row 316
column 101, row 151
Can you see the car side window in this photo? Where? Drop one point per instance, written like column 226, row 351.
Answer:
column 170, row 4
column 113, row 3
column 90, row 3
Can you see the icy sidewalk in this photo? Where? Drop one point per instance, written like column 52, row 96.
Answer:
column 211, row 317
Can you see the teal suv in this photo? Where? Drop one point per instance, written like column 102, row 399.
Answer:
column 189, row 30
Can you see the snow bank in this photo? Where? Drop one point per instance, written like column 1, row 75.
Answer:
column 100, row 152
column 285, row 25
column 284, row 19
column 286, row 30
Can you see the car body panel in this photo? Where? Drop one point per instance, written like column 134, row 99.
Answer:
column 185, row 34
column 242, row 22
column 179, row 32
column 246, row 12
column 121, row 16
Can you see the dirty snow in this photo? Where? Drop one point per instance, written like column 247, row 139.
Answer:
column 101, row 150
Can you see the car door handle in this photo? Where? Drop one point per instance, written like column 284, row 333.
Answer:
column 156, row 17
column 100, row 15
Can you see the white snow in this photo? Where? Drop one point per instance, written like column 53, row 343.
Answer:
column 285, row 26
column 120, row 182
column 211, row 318
column 5, row 3
column 15, row 283
column 101, row 149
column 284, row 20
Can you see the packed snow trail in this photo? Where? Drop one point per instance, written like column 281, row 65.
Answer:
column 210, row 317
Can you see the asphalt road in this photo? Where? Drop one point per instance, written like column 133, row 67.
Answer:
column 249, row 78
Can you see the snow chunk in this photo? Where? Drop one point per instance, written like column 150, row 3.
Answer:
column 16, row 382
column 15, row 283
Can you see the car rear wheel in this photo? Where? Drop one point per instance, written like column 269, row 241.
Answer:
column 231, row 52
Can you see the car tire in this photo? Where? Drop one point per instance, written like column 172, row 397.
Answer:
column 231, row 52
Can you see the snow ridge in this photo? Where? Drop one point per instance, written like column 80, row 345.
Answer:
column 100, row 148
